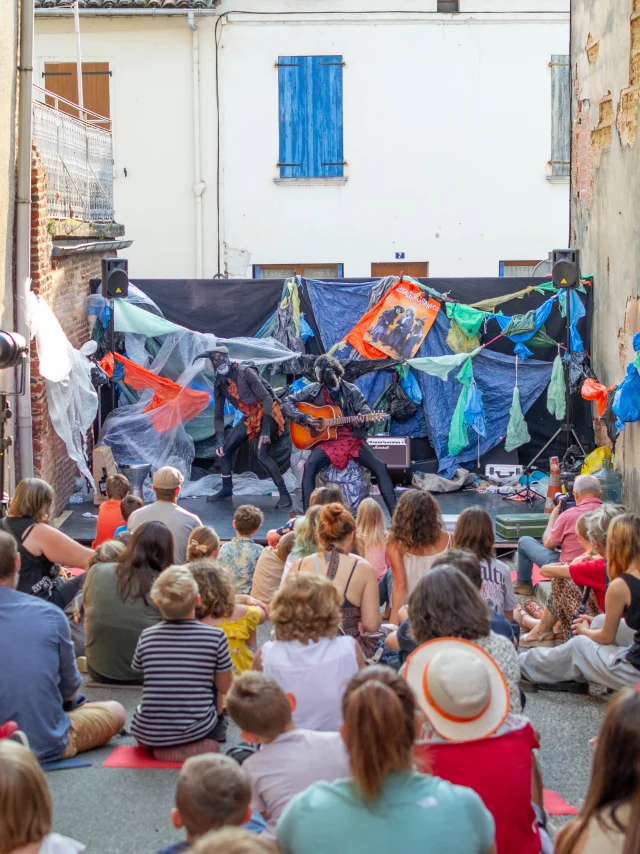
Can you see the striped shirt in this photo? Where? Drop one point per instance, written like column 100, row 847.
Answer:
column 179, row 660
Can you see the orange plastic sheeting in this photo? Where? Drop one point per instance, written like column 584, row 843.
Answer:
column 593, row 390
column 171, row 404
column 107, row 363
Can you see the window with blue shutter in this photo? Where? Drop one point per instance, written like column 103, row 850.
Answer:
column 560, row 116
column 310, row 107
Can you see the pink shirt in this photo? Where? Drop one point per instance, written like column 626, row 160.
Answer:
column 563, row 533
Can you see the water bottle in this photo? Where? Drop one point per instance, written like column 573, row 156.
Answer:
column 610, row 481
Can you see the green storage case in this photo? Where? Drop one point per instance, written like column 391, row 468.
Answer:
column 521, row 525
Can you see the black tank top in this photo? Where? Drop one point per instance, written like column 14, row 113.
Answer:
column 38, row 575
column 632, row 617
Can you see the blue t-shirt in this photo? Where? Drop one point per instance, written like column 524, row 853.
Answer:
column 415, row 814
column 38, row 670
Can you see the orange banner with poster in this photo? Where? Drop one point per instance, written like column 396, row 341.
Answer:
column 397, row 325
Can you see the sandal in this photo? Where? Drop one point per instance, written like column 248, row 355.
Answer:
column 540, row 639
column 534, row 609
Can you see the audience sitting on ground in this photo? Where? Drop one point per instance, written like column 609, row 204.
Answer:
column 320, row 496
column 212, row 792
column 474, row 533
column 43, row 548
column 128, row 505
column 218, row 607
column 232, row 840
column 353, row 577
column 371, row 529
column 110, row 512
column 269, row 568
column 204, row 542
column 118, row 605
column 166, row 485
column 416, row 538
column 26, row 811
column 559, row 541
column 241, row 554
column 305, row 543
column 180, row 658
column 386, row 803
column 604, row 649
column 308, row 658
column 289, row 759
column 470, row 739
column 468, row 564
column 40, row 680
column 569, row 579
column 445, row 604
column 609, row 821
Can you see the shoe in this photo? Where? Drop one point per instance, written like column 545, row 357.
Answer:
column 565, row 687
column 219, row 732
column 523, row 588
column 540, row 639
column 285, row 501
column 225, row 493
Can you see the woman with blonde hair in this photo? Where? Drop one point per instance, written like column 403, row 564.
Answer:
column 43, row 548
column 26, row 813
column 309, row 658
column 203, row 542
column 353, row 577
column 385, row 803
column 371, row 530
column 603, row 649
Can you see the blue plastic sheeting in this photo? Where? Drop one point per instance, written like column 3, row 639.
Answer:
column 578, row 311
column 541, row 315
column 339, row 306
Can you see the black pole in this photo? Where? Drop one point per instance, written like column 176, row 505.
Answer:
column 112, row 346
column 5, row 414
column 567, row 378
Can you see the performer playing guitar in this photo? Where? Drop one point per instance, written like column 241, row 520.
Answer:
column 243, row 387
column 350, row 444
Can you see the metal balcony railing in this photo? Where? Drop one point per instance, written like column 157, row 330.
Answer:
column 77, row 154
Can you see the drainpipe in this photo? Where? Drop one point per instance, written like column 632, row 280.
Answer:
column 198, row 183
column 23, row 226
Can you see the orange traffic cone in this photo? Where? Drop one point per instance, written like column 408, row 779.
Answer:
column 555, row 483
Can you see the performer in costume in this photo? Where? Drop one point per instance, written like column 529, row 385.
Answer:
column 262, row 419
column 351, row 443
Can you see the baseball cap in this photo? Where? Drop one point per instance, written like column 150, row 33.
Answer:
column 459, row 687
column 168, row 477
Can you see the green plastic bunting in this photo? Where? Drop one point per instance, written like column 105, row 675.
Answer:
column 458, row 432
column 441, row 366
column 517, row 432
column 557, row 391
column 458, row 341
column 129, row 318
column 468, row 319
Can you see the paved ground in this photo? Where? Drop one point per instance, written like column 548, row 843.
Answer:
column 120, row 811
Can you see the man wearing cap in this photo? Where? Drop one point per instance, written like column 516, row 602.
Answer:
column 243, row 387
column 166, row 485
column 469, row 738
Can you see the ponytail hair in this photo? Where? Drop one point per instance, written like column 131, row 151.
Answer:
column 203, row 542
column 379, row 727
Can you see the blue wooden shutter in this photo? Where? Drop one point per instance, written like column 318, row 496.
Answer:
column 310, row 99
column 560, row 115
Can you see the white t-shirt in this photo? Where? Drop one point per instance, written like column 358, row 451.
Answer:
column 290, row 764
column 178, row 520
column 497, row 587
column 53, row 843
column 317, row 674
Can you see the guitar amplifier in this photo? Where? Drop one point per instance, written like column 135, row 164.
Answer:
column 395, row 452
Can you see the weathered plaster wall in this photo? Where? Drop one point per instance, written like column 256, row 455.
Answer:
column 606, row 189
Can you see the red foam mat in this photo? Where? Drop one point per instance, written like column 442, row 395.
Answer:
column 536, row 577
column 129, row 756
column 554, row 804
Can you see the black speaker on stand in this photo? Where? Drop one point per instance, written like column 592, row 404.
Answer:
column 115, row 285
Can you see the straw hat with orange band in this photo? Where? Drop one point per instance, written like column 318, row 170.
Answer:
column 459, row 687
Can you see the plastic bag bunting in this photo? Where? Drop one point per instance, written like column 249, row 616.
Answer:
column 626, row 402
column 458, row 433
column 557, row 390
column 517, row 431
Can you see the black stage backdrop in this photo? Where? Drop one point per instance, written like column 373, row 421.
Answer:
column 231, row 308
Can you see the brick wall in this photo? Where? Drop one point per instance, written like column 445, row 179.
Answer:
column 64, row 284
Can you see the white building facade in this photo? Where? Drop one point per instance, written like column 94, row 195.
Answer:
column 311, row 135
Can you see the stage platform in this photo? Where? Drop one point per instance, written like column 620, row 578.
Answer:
column 220, row 516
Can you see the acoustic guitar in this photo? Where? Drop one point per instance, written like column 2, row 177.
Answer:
column 331, row 418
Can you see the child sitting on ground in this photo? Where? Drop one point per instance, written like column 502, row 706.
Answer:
column 203, row 542
column 25, row 805
column 308, row 658
column 218, row 607
column 180, row 659
column 290, row 759
column 373, row 535
column 241, row 554
column 109, row 515
column 211, row 792
column 127, row 506
column 269, row 568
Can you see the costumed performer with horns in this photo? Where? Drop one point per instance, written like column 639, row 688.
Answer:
column 262, row 419
column 350, row 443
